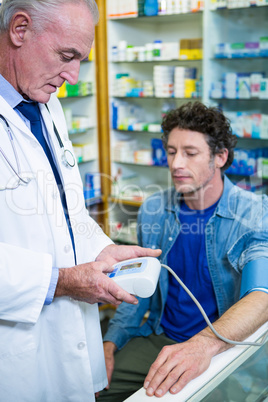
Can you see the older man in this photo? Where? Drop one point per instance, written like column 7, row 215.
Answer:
column 52, row 276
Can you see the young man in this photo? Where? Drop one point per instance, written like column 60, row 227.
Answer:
column 50, row 343
column 214, row 236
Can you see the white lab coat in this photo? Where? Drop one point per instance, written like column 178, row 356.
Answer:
column 47, row 353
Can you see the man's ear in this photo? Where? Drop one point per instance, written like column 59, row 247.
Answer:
column 221, row 158
column 19, row 25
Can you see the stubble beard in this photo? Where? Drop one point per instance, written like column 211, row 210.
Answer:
column 191, row 192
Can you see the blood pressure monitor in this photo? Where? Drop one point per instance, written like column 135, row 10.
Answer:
column 138, row 276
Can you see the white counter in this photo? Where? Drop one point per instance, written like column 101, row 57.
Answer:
column 221, row 366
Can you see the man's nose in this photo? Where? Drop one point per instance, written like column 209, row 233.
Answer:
column 178, row 161
column 71, row 73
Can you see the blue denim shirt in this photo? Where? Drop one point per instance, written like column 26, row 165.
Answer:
column 236, row 235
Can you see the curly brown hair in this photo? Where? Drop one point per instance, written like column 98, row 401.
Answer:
column 195, row 116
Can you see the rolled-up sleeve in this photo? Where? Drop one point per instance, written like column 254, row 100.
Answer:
column 254, row 277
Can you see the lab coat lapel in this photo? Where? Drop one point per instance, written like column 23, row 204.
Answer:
column 48, row 119
column 13, row 118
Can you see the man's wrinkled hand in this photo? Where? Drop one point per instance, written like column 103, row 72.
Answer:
column 114, row 253
column 89, row 283
column 176, row 365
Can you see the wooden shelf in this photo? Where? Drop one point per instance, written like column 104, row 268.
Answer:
column 126, row 202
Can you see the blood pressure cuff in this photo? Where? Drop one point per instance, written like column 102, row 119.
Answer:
column 254, row 277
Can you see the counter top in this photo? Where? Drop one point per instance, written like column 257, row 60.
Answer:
column 221, row 367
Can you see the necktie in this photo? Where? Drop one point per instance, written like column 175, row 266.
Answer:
column 32, row 113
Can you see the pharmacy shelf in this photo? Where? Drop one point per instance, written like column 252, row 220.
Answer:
column 250, row 177
column 178, row 61
column 253, row 58
column 140, row 132
column 240, row 99
column 87, row 161
column 238, row 25
column 155, row 98
column 138, row 32
column 75, row 97
column 159, row 18
column 80, row 130
column 93, row 201
column 214, row 26
column 140, row 164
column 235, row 9
column 231, row 25
column 263, row 141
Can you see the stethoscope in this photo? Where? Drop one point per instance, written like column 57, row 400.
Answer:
column 67, row 158
column 20, row 180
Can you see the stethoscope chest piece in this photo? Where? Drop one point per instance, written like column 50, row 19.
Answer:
column 68, row 158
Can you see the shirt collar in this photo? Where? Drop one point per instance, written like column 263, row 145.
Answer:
column 229, row 200
column 9, row 93
column 226, row 204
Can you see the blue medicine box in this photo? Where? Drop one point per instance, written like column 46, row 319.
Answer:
column 159, row 156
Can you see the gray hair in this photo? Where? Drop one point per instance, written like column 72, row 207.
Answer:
column 41, row 11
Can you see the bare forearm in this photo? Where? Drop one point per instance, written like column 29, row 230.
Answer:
column 185, row 361
column 109, row 350
column 109, row 347
column 240, row 321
